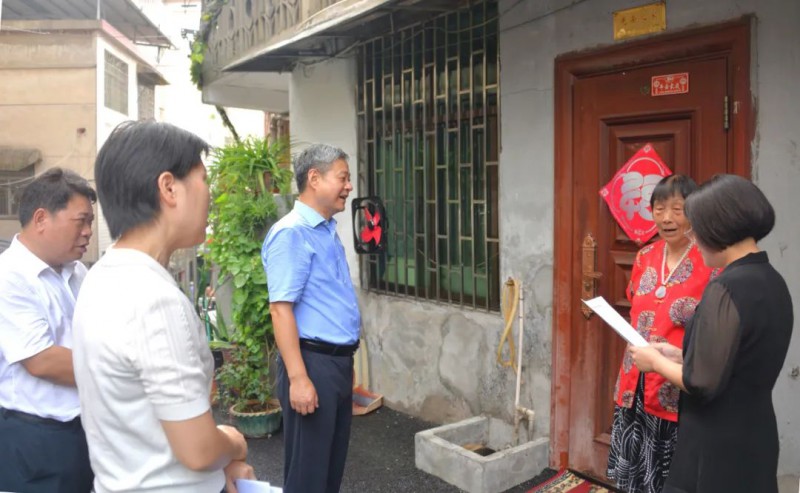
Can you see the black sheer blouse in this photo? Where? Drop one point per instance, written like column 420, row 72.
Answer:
column 734, row 349
column 708, row 362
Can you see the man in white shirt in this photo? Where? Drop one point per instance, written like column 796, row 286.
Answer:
column 43, row 446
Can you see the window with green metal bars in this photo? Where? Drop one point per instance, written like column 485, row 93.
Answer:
column 428, row 108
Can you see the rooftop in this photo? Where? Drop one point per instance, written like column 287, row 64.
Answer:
column 126, row 17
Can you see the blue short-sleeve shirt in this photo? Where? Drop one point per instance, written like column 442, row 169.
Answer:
column 306, row 265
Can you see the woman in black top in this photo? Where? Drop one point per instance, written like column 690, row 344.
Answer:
column 733, row 349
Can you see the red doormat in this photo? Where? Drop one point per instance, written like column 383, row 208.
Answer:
column 567, row 482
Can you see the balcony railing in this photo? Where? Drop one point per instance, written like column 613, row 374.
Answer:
column 248, row 26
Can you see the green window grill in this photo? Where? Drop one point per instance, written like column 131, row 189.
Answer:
column 428, row 108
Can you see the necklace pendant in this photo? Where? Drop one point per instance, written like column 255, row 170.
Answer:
column 661, row 292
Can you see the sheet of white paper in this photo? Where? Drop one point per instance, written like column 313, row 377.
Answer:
column 252, row 486
column 605, row 311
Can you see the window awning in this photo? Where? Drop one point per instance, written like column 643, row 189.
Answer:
column 18, row 158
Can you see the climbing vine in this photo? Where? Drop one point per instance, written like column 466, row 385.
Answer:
column 199, row 48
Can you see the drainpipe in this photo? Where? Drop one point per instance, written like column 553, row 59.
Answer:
column 521, row 412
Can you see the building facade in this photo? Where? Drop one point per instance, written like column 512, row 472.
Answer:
column 488, row 128
column 70, row 74
column 67, row 78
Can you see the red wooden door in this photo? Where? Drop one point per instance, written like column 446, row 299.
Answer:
column 613, row 115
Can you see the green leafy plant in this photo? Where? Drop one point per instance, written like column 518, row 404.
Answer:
column 258, row 164
column 196, row 57
column 243, row 208
column 245, row 379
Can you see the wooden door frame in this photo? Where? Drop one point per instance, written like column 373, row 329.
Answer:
column 730, row 38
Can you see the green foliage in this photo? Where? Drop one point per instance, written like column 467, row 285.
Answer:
column 245, row 378
column 250, row 162
column 242, row 209
column 196, row 57
column 208, row 20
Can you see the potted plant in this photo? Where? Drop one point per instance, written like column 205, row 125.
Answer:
column 246, row 390
column 243, row 207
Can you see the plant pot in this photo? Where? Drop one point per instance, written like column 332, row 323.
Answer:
column 257, row 424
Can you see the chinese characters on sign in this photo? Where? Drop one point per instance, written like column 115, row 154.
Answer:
column 638, row 21
column 664, row 85
column 629, row 191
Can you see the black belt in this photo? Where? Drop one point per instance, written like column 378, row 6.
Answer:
column 38, row 420
column 328, row 348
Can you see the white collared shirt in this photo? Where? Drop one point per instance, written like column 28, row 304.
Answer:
column 141, row 357
column 36, row 305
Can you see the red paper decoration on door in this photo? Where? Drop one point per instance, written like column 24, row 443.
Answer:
column 629, row 191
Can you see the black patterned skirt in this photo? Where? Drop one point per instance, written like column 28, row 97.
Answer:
column 641, row 447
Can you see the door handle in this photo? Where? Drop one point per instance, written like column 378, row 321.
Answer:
column 589, row 275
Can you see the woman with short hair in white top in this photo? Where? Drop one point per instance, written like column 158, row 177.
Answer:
column 142, row 363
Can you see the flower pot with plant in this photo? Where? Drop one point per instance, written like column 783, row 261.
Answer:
column 248, row 392
column 243, row 208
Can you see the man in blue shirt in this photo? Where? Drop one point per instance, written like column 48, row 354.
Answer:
column 317, row 322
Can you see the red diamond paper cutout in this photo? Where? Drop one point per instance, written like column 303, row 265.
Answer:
column 628, row 193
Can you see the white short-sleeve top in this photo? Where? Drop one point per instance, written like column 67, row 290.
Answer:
column 36, row 304
column 141, row 356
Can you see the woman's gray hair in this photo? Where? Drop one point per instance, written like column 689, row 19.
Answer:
column 316, row 156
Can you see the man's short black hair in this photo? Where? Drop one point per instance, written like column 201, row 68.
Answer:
column 728, row 209
column 128, row 166
column 672, row 186
column 52, row 190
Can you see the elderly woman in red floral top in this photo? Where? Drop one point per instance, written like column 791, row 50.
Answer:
column 667, row 281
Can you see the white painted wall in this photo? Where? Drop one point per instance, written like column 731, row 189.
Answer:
column 322, row 104
column 530, row 41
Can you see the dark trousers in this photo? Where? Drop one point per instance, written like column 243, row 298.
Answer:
column 43, row 456
column 316, row 444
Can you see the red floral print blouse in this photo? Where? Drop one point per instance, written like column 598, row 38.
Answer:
column 660, row 320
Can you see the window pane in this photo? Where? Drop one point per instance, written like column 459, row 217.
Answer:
column 116, row 84
column 11, row 185
column 5, row 200
column 147, row 102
